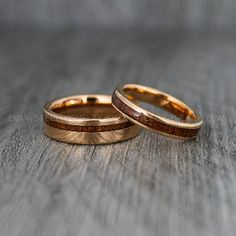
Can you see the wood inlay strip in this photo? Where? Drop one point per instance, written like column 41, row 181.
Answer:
column 102, row 128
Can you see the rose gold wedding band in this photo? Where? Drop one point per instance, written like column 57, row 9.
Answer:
column 125, row 99
column 86, row 119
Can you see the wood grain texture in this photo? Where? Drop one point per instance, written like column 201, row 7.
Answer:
column 150, row 185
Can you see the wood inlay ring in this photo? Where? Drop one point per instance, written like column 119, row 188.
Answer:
column 86, row 119
column 125, row 99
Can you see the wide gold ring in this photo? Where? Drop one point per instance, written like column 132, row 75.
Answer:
column 125, row 99
column 86, row 119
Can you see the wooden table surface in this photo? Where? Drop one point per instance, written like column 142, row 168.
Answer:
column 150, row 185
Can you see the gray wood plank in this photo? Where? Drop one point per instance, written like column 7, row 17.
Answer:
column 150, row 185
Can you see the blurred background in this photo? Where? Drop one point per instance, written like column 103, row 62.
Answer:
column 87, row 46
column 153, row 15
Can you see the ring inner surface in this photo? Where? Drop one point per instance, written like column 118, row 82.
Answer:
column 92, row 109
column 161, row 100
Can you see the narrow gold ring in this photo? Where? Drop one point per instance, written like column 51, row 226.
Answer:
column 86, row 119
column 125, row 99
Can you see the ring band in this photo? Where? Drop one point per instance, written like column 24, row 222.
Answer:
column 125, row 99
column 86, row 119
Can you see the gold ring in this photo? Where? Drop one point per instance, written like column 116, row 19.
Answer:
column 125, row 99
column 86, row 119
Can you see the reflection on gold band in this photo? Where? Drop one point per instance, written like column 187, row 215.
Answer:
column 125, row 100
column 86, row 119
